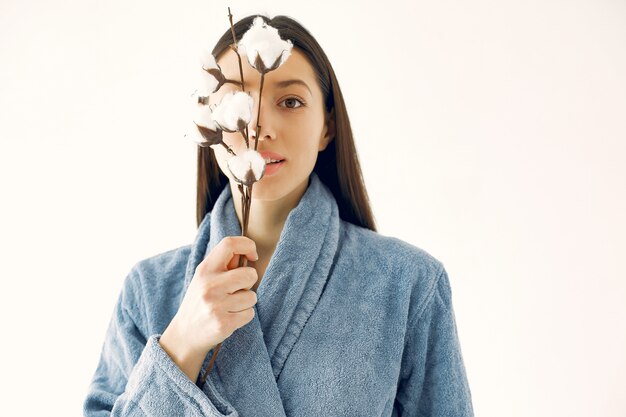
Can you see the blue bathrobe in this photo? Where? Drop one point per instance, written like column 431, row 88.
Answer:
column 348, row 322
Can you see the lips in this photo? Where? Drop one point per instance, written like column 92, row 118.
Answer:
column 271, row 156
column 273, row 168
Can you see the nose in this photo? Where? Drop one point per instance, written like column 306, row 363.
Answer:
column 252, row 134
column 265, row 130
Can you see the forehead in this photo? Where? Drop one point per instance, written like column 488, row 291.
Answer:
column 297, row 66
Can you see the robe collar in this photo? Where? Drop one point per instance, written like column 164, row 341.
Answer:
column 250, row 361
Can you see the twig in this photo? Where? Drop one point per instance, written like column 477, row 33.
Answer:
column 228, row 148
column 258, row 114
column 236, row 49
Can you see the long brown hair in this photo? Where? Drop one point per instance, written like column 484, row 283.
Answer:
column 337, row 166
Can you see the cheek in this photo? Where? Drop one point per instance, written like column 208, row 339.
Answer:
column 304, row 134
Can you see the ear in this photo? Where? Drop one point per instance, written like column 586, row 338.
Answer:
column 329, row 130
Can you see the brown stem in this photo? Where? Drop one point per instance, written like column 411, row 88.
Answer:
column 245, row 220
column 232, row 30
column 244, row 206
column 245, row 213
column 240, row 70
column 245, row 136
column 243, row 261
column 229, row 149
column 247, row 193
column 249, row 204
column 258, row 114
column 210, row 365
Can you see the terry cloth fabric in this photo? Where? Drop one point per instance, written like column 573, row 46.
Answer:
column 348, row 322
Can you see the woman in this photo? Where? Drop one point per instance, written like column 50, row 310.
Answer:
column 329, row 318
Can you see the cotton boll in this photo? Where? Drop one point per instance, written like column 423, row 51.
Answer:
column 207, row 60
column 194, row 135
column 234, row 111
column 202, row 116
column 248, row 167
column 211, row 137
column 283, row 57
column 204, row 125
column 263, row 47
column 202, row 136
column 208, row 84
column 211, row 77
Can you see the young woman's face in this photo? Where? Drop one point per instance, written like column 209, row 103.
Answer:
column 293, row 120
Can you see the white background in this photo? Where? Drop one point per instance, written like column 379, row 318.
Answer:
column 491, row 134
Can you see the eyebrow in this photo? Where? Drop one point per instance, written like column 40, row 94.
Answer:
column 280, row 84
column 287, row 83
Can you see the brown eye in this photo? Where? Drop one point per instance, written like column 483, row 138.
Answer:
column 293, row 102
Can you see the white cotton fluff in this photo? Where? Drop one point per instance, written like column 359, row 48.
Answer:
column 234, row 111
column 207, row 83
column 248, row 167
column 207, row 59
column 194, row 135
column 264, row 40
column 202, row 116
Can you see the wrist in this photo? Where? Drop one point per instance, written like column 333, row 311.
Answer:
column 188, row 360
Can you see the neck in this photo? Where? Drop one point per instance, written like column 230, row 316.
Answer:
column 267, row 217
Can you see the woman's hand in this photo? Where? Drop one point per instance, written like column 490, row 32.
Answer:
column 218, row 301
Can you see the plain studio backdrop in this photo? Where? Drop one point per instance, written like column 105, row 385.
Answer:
column 491, row 134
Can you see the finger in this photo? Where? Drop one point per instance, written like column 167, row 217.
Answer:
column 243, row 317
column 240, row 300
column 222, row 254
column 242, row 278
column 234, row 262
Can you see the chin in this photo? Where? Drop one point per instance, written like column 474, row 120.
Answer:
column 269, row 189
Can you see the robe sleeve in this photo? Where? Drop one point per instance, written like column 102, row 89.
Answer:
column 136, row 377
column 433, row 380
